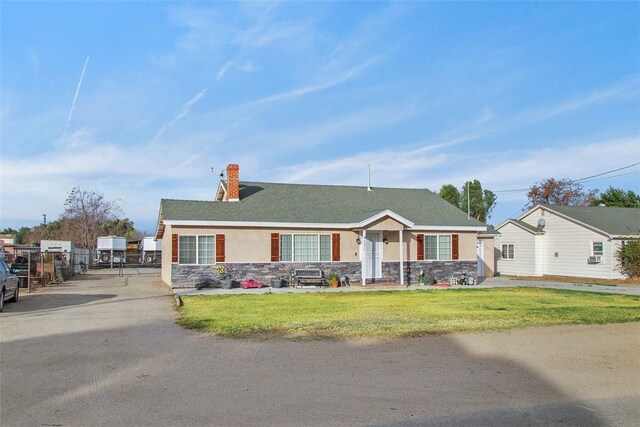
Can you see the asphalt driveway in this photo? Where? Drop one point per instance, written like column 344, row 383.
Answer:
column 106, row 350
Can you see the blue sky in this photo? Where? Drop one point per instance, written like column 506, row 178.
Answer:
column 312, row 92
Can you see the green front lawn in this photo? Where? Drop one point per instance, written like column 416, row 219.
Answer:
column 345, row 315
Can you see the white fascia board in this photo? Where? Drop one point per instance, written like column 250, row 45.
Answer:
column 221, row 191
column 160, row 224
column 450, row 228
column 256, row 224
column 510, row 221
column 391, row 214
column 489, row 235
column 338, row 226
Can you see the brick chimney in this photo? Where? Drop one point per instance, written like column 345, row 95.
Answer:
column 233, row 183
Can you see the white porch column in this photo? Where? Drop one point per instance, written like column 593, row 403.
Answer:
column 363, row 255
column 401, row 258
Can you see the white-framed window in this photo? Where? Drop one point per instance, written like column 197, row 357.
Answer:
column 508, row 251
column 597, row 248
column 437, row 247
column 305, row 247
column 197, row 249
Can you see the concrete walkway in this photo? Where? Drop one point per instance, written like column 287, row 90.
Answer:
column 490, row 282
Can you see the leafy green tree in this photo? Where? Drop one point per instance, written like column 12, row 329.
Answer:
column 559, row 192
column 451, row 194
column 120, row 227
column 20, row 233
column 628, row 257
column 481, row 203
column 617, row 198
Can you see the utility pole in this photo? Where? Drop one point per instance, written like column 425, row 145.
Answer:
column 468, row 202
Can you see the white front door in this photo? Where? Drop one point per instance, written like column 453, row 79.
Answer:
column 373, row 255
column 480, row 258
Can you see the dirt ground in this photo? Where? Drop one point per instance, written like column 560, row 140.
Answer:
column 106, row 351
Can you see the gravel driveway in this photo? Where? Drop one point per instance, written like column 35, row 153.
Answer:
column 105, row 350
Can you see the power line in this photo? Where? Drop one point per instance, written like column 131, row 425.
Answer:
column 606, row 173
column 515, row 190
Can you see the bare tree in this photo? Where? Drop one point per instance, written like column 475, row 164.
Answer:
column 559, row 192
column 86, row 211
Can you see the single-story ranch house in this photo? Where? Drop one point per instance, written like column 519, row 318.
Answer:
column 265, row 230
column 577, row 241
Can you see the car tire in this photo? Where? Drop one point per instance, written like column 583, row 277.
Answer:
column 1, row 300
column 16, row 295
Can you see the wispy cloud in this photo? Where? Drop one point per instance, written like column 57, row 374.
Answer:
column 316, row 87
column 247, row 67
column 186, row 109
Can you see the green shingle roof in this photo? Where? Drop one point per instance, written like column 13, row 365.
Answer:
column 319, row 204
column 613, row 221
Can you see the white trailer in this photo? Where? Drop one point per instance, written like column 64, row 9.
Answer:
column 151, row 250
column 112, row 250
column 56, row 246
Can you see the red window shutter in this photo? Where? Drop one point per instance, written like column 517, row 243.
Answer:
column 174, row 248
column 335, row 247
column 455, row 252
column 420, row 254
column 219, row 247
column 275, row 247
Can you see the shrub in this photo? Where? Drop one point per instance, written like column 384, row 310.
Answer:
column 629, row 258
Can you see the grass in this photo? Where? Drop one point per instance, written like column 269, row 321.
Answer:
column 350, row 315
column 633, row 281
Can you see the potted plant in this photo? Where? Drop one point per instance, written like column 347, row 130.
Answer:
column 332, row 279
column 224, row 275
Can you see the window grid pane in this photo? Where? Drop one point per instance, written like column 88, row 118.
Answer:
column 444, row 250
column 285, row 247
column 431, row 247
column 187, row 249
column 511, row 252
column 206, row 249
column 598, row 248
column 325, row 247
column 305, row 247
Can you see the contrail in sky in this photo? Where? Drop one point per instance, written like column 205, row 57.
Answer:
column 73, row 104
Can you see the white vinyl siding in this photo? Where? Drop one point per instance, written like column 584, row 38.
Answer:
column 197, row 249
column 522, row 263
column 305, row 247
column 574, row 245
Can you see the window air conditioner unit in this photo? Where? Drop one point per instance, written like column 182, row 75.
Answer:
column 594, row 259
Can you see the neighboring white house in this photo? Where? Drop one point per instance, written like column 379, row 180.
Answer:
column 579, row 241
